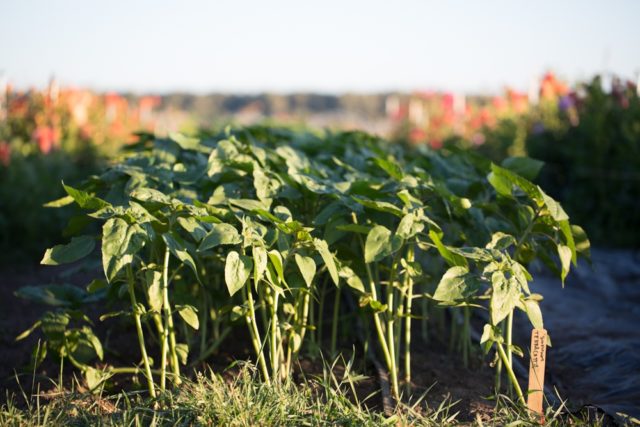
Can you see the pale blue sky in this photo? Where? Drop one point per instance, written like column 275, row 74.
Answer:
column 326, row 46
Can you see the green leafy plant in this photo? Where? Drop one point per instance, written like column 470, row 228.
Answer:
column 256, row 227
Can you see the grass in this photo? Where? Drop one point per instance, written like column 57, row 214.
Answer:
column 243, row 400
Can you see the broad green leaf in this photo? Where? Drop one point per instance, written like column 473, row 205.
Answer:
column 456, row 285
column 193, row 227
column 54, row 295
column 534, row 313
column 390, row 167
column 409, row 226
column 120, row 242
column 185, row 142
column 190, row 315
column 78, row 248
column 380, row 206
column 154, row 289
column 221, row 234
column 583, row 246
column 323, row 249
column 307, row 267
column 504, row 298
column 502, row 185
column 452, row 258
column 237, row 269
column 352, row 279
column 182, row 350
column 501, row 241
column 378, row 244
column 150, row 195
column 84, row 199
column 96, row 285
column 565, row 261
column 555, row 210
column 94, row 340
column 260, row 260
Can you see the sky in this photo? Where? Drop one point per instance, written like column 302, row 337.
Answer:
column 324, row 46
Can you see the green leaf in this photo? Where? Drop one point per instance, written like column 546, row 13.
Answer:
column 150, row 195
column 54, row 295
column 178, row 249
column 260, row 260
column 390, row 167
column 58, row 203
column 378, row 244
column 182, row 350
column 193, row 227
column 380, row 206
column 154, row 289
column 120, row 242
column 307, row 267
column 456, row 285
column 352, row 279
column 524, row 166
column 555, row 210
column 504, row 298
column 323, row 249
column 78, row 248
column 29, row 331
column 532, row 308
column 190, row 315
column 565, row 261
column 276, row 260
column 500, row 184
column 221, row 234
column 452, row 258
column 237, row 269
column 583, row 246
column 409, row 226
column 84, row 199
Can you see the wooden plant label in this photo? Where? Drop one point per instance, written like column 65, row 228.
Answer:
column 536, row 370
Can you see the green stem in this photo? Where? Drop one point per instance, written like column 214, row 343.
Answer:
column 255, row 334
column 274, row 335
column 407, row 324
column 168, row 319
column 334, row 323
column 320, row 321
column 509, row 338
column 136, row 317
column 391, row 340
column 466, row 337
column 511, row 374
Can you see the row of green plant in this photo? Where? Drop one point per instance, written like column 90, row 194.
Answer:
column 311, row 243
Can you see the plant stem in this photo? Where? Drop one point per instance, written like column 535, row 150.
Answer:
column 511, row 374
column 391, row 341
column 407, row 323
column 255, row 334
column 168, row 319
column 143, row 349
column 466, row 337
column 320, row 322
column 334, row 323
column 274, row 335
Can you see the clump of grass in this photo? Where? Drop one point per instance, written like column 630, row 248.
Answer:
column 243, row 399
